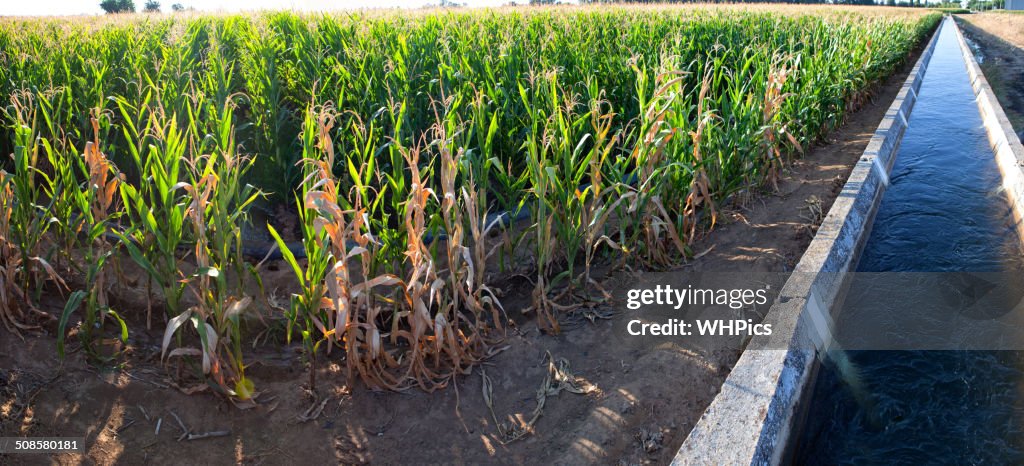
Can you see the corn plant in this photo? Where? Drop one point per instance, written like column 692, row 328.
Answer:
column 156, row 207
column 11, row 292
column 466, row 233
column 659, row 169
column 95, row 201
column 597, row 202
column 774, row 129
column 218, row 203
column 68, row 224
column 494, row 180
column 305, row 306
column 540, row 176
column 216, row 315
column 230, row 201
column 329, row 306
column 352, row 308
column 422, row 287
column 29, row 213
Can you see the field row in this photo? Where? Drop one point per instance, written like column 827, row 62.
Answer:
column 615, row 131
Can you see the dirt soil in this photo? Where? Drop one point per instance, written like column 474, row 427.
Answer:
column 998, row 42
column 641, row 399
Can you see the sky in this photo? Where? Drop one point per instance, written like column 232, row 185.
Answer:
column 91, row 7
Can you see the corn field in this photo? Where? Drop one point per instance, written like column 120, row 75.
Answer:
column 428, row 156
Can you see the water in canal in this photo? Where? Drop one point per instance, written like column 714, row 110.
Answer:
column 942, row 212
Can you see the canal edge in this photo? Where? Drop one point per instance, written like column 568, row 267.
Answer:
column 751, row 418
column 1005, row 143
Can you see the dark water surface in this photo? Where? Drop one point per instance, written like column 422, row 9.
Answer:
column 943, row 212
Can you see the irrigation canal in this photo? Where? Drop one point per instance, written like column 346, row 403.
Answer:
column 943, row 213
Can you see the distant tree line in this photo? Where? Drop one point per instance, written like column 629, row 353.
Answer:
column 128, row 6
column 985, row 5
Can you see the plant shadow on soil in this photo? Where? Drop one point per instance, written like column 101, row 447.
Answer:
column 647, row 396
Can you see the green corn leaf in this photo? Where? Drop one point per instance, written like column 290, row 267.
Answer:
column 74, row 301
